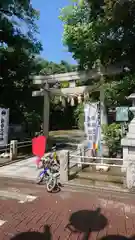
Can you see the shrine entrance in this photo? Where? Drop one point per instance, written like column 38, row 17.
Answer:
column 50, row 85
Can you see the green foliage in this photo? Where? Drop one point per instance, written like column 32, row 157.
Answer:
column 100, row 30
column 18, row 61
column 33, row 121
column 79, row 34
column 49, row 68
column 55, row 68
column 18, row 48
column 79, row 116
column 118, row 89
column 64, row 84
column 103, row 30
column 112, row 137
column 61, row 115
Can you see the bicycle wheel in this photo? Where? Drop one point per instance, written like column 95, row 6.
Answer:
column 51, row 184
column 40, row 178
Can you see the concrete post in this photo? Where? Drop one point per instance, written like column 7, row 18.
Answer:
column 125, row 157
column 130, row 173
column 128, row 142
column 64, row 166
column 13, row 149
column 81, row 151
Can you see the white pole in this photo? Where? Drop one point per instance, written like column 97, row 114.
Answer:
column 103, row 116
column 46, row 111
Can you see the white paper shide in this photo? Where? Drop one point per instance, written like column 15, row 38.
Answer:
column 4, row 124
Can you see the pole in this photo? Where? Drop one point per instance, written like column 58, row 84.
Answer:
column 46, row 110
column 103, row 117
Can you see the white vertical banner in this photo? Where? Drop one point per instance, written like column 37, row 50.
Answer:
column 91, row 116
column 4, row 125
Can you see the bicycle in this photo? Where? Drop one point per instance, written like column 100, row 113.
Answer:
column 49, row 175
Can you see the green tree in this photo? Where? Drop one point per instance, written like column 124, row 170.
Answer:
column 19, row 59
column 103, row 30
column 100, row 29
column 79, row 116
column 55, row 68
column 18, row 49
column 112, row 137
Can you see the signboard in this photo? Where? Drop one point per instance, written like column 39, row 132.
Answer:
column 4, row 124
column 91, row 122
column 122, row 114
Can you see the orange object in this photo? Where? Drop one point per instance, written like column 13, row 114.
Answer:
column 95, row 146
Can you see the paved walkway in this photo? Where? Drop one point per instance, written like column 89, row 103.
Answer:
column 67, row 215
column 25, row 169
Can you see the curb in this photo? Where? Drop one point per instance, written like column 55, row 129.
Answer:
column 75, row 187
column 90, row 188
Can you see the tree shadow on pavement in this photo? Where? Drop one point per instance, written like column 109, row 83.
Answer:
column 117, row 237
column 46, row 235
column 86, row 221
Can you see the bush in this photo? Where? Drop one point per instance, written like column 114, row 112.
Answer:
column 79, row 116
column 112, row 138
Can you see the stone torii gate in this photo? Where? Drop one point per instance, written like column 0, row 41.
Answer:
column 44, row 82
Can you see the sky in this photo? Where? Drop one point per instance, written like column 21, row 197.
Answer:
column 51, row 30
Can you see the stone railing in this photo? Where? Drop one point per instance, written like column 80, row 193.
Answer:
column 65, row 167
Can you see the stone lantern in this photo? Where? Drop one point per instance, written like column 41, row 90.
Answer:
column 128, row 142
